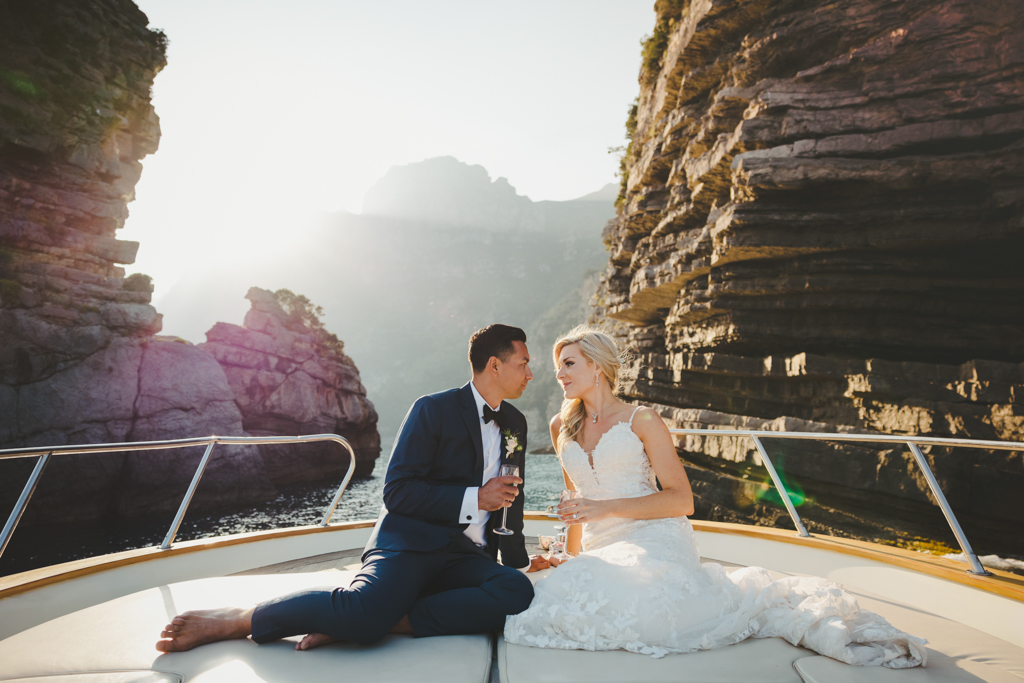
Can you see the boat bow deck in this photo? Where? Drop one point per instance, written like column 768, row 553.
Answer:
column 113, row 642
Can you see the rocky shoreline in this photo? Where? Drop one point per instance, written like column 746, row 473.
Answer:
column 285, row 385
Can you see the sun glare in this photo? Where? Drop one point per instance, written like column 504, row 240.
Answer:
column 271, row 117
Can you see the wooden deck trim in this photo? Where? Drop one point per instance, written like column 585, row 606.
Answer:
column 1001, row 583
column 45, row 576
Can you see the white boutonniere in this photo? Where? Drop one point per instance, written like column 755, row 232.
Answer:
column 511, row 443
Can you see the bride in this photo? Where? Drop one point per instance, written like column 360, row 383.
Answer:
column 638, row 583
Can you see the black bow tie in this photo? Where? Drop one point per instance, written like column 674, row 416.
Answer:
column 496, row 415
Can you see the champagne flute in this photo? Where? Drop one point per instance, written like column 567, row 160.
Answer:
column 506, row 471
column 568, row 495
column 561, row 542
column 563, row 534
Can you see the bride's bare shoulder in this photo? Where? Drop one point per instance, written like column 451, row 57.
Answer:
column 556, row 427
column 648, row 421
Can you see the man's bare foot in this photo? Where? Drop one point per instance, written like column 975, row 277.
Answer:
column 312, row 640
column 308, row 642
column 404, row 626
column 192, row 629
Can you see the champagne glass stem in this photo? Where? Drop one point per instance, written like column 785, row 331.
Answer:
column 513, row 471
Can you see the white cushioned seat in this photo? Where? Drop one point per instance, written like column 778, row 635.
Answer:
column 120, row 635
column 767, row 660
column 955, row 653
column 940, row 669
column 104, row 677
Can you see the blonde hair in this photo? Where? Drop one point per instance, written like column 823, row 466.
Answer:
column 600, row 349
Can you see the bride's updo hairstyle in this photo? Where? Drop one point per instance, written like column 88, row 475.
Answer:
column 600, row 349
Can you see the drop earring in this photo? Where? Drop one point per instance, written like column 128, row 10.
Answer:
column 597, row 382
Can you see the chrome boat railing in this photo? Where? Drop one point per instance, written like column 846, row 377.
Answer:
column 912, row 442
column 44, row 455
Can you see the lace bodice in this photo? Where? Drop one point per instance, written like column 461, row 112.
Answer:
column 621, row 468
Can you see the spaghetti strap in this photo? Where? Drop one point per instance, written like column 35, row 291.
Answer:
column 635, row 410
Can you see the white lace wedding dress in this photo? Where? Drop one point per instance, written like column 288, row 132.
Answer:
column 639, row 585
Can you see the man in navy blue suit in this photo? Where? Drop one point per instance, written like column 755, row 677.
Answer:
column 430, row 567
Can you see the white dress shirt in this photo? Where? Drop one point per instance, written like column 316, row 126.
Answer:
column 490, row 435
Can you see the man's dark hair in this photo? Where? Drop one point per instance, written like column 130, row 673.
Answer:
column 493, row 340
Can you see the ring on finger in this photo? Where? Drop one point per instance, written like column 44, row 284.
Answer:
column 575, row 515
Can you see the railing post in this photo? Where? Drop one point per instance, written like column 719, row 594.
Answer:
column 19, row 507
column 933, row 484
column 778, row 485
column 329, row 512
column 173, row 531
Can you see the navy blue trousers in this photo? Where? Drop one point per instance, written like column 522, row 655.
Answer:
column 458, row 589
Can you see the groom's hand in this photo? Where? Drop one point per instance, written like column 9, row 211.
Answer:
column 498, row 493
column 539, row 562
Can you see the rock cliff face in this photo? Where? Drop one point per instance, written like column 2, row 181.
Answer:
column 286, row 386
column 819, row 226
column 75, row 121
column 80, row 361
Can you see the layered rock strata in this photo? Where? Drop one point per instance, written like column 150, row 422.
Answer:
column 80, row 359
column 75, row 121
column 819, row 227
column 79, row 362
column 285, row 385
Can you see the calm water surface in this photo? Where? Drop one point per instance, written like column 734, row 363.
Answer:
column 295, row 505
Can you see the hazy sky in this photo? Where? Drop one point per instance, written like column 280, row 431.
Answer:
column 273, row 112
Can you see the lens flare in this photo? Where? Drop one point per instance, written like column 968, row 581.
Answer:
column 767, row 493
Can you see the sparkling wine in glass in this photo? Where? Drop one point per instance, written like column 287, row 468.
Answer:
column 506, row 471
column 567, row 495
column 558, row 546
column 563, row 534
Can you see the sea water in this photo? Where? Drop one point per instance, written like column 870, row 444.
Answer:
column 295, row 505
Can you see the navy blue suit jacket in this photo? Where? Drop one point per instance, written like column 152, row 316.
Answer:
column 438, row 453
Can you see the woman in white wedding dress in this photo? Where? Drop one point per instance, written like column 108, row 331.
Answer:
column 638, row 583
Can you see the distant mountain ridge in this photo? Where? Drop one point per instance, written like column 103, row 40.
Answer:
column 444, row 191
column 608, row 193
column 440, row 251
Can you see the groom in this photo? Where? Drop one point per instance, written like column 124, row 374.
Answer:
column 430, row 565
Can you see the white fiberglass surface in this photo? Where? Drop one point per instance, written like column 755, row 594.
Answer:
column 120, row 634
column 998, row 616
column 909, row 599
column 24, row 610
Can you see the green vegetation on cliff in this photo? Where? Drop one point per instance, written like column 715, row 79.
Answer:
column 654, row 45
column 304, row 316
column 66, row 77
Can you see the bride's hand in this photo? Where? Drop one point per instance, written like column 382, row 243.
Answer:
column 580, row 510
column 554, row 561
